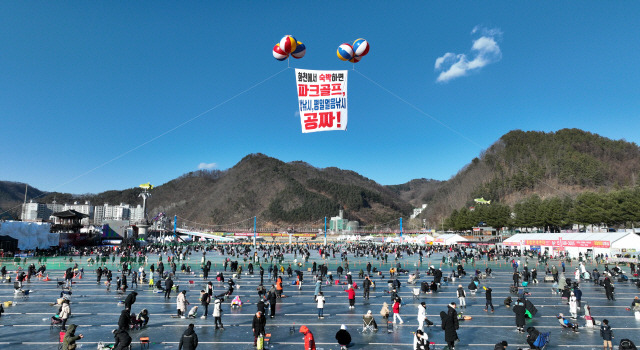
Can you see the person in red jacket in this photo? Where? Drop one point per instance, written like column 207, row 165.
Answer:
column 309, row 342
column 352, row 297
column 396, row 311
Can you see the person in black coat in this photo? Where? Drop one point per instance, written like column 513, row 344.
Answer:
column 272, row 302
column 448, row 325
column 532, row 336
column 122, row 339
column 189, row 339
column 489, row 301
column 160, row 269
column 168, row 284
column 130, row 300
column 343, row 337
column 205, row 300
column 520, row 310
column 608, row 288
column 125, row 320
column 453, row 314
column 501, row 345
column 437, row 276
column 366, row 286
column 258, row 324
column 261, row 307
column 261, row 274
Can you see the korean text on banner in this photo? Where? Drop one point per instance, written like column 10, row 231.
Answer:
column 322, row 99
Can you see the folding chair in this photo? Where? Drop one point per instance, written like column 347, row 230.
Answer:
column 61, row 339
column 367, row 327
column 416, row 293
column 144, row 342
column 542, row 341
column 267, row 339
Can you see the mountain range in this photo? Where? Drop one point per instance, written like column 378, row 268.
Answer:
column 521, row 163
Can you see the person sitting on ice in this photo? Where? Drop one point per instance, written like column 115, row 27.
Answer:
column 566, row 324
column 236, row 302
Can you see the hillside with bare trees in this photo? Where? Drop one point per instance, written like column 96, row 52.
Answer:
column 520, row 164
column 563, row 163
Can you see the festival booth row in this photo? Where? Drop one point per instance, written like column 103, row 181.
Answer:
column 606, row 243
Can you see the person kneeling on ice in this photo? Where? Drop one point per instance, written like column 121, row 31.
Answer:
column 142, row 318
column 369, row 320
column 635, row 307
column 532, row 336
column 343, row 337
column 566, row 324
column 122, row 339
column 193, row 313
column 420, row 341
column 236, row 302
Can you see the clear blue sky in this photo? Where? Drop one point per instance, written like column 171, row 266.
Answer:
column 84, row 82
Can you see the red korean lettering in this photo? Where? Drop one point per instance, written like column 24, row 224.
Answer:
column 303, row 90
column 314, row 91
column 311, row 121
column 325, row 89
column 326, row 119
column 336, row 89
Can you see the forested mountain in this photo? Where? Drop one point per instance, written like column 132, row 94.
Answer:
column 551, row 165
column 552, row 172
column 417, row 191
column 274, row 191
column 12, row 195
column 277, row 192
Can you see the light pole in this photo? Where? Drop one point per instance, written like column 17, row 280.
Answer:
column 325, row 230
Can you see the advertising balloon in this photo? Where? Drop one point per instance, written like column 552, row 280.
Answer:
column 360, row 47
column 345, row 52
column 288, row 44
column 279, row 54
column 300, row 50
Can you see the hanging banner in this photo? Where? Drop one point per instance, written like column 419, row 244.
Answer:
column 322, row 99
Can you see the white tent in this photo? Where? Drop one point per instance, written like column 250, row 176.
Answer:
column 419, row 239
column 449, row 239
column 607, row 243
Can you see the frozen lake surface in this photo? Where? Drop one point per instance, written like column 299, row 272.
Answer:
column 96, row 311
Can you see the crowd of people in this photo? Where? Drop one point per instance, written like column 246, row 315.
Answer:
column 274, row 263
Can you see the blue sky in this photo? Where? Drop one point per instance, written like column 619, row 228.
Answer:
column 86, row 85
